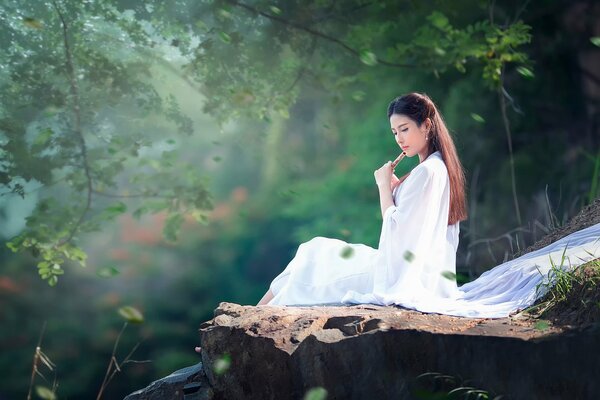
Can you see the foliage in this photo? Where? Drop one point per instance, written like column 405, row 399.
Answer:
column 79, row 112
column 562, row 285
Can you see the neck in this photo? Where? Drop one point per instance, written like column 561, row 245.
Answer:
column 423, row 157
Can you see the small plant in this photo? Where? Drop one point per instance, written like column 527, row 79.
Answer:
column 562, row 285
column 131, row 315
column 40, row 358
column 447, row 387
column 555, row 287
column 559, row 280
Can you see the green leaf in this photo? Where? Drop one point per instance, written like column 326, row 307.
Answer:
column 284, row 112
column 347, row 252
column 43, row 265
column 44, row 393
column 107, row 272
column 131, row 314
column 225, row 37
column 462, row 278
column 117, row 208
column 451, row 276
column 595, row 40
column 439, row 20
column 368, row 57
column 542, row 325
column 172, row 226
column 200, row 216
column 275, row 10
column 222, row 364
column 477, row 118
column 14, row 246
column 358, row 95
column 76, row 253
column 224, row 13
column 315, row 393
column 526, row 72
column 32, row 23
column 43, row 137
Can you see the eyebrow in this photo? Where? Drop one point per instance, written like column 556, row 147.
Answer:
column 401, row 125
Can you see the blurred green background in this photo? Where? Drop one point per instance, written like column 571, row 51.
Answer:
column 185, row 150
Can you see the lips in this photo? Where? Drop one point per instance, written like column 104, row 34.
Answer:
column 404, row 147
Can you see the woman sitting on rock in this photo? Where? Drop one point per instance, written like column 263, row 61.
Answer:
column 415, row 263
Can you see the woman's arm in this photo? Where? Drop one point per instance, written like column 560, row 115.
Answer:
column 385, row 197
column 383, row 178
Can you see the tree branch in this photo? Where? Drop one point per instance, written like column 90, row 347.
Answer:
column 506, row 123
column 317, row 34
column 155, row 195
column 77, row 128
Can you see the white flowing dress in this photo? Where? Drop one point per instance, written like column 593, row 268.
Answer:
column 415, row 263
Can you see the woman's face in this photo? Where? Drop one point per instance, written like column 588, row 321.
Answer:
column 409, row 136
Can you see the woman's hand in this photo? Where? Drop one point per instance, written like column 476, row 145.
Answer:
column 383, row 175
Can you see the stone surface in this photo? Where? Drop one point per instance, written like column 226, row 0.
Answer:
column 171, row 387
column 369, row 351
column 366, row 351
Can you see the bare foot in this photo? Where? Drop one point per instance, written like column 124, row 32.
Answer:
column 198, row 349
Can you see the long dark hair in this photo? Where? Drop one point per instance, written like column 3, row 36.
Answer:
column 419, row 107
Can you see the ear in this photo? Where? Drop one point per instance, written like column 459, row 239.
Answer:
column 427, row 124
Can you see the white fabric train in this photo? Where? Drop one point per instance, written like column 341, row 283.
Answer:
column 416, row 260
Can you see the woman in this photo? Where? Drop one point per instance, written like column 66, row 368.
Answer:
column 415, row 262
column 419, row 237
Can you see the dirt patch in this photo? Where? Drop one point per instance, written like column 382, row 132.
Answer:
column 575, row 304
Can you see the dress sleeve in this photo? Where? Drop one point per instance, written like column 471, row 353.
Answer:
column 413, row 234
